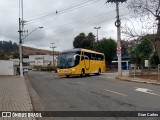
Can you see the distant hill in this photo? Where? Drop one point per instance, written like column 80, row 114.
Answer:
column 8, row 50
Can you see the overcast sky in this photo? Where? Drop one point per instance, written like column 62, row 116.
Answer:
column 73, row 17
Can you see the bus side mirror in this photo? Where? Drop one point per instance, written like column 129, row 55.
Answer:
column 77, row 59
column 75, row 56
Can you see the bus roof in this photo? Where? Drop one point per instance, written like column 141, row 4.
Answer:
column 80, row 49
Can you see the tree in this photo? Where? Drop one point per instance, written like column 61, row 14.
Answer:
column 8, row 46
column 88, row 42
column 7, row 49
column 78, row 40
column 125, row 47
column 83, row 41
column 143, row 51
column 6, row 55
column 149, row 9
column 15, row 55
column 108, row 47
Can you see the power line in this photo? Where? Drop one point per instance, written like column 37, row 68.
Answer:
column 75, row 21
column 71, row 4
column 63, row 11
column 76, row 28
column 88, row 20
column 80, row 20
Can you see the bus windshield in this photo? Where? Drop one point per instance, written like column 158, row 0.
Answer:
column 68, row 60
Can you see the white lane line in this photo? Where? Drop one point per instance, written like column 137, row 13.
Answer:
column 115, row 92
column 81, row 83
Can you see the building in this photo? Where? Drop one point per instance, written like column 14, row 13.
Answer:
column 42, row 60
column 16, row 61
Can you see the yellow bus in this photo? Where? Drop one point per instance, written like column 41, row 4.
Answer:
column 80, row 61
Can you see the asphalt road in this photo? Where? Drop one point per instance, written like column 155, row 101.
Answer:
column 50, row 92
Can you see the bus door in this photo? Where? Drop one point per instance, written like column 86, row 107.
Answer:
column 86, row 61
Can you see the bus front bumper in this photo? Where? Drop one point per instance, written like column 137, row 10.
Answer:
column 62, row 72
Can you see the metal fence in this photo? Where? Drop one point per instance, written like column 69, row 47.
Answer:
column 152, row 72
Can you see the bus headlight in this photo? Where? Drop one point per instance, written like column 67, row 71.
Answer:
column 68, row 70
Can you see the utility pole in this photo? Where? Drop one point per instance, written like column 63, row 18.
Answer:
column 118, row 25
column 119, row 53
column 20, row 48
column 52, row 46
column 97, row 31
column 21, row 25
column 21, row 30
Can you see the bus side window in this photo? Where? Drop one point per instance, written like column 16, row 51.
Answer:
column 100, row 57
column 86, row 57
column 94, row 56
column 89, row 55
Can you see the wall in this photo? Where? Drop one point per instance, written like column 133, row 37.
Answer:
column 6, row 67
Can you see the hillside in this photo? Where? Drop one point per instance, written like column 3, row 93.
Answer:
column 8, row 50
column 34, row 51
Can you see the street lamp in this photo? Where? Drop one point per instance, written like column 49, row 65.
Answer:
column 20, row 43
column 32, row 32
column 97, row 31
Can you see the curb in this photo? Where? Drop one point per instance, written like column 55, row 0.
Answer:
column 29, row 98
column 138, row 81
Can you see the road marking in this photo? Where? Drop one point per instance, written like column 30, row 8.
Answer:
column 145, row 90
column 115, row 92
column 81, row 83
column 111, row 77
column 106, row 77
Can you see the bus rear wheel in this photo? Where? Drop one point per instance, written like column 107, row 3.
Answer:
column 99, row 72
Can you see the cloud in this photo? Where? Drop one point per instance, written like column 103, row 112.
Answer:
column 61, row 28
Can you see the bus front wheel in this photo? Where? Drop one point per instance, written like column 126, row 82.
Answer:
column 82, row 73
column 67, row 76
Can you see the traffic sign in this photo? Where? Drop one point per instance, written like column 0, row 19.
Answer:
column 118, row 53
column 118, row 48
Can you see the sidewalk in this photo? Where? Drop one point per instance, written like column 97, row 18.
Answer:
column 14, row 95
column 126, row 77
column 135, row 79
